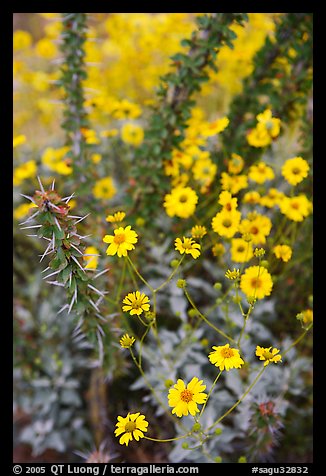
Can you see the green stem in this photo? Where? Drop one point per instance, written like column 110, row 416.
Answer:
column 171, row 275
column 168, row 439
column 301, row 336
column 240, row 399
column 206, row 320
column 139, row 275
column 209, row 394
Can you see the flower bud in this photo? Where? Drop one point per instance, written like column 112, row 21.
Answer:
column 185, row 445
column 181, row 283
column 218, row 459
column 218, row 286
column 196, row 427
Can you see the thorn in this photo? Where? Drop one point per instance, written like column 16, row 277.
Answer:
column 48, row 267
column 100, row 273
column 101, row 330
column 41, row 185
column 100, row 317
column 32, row 235
column 94, row 305
column 56, row 283
column 52, row 274
column 57, row 223
column 30, row 218
column 28, row 197
column 29, row 227
column 45, row 252
column 76, row 261
column 87, row 254
column 73, row 216
column 76, row 249
column 82, row 237
column 54, row 206
column 66, row 199
column 62, row 309
column 52, row 186
column 71, row 303
column 96, row 290
column 82, row 218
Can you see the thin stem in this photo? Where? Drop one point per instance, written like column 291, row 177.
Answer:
column 171, row 275
column 240, row 399
column 139, row 275
column 206, row 320
column 301, row 336
column 209, row 393
column 168, row 439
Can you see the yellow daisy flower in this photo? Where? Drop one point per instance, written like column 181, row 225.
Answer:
column 126, row 341
column 295, row 170
column 235, row 164
column 256, row 282
column 136, row 303
column 188, row 246
column 258, row 226
column 116, row 217
column 271, row 124
column 104, row 188
column 283, row 252
column 252, row 197
column 121, row 242
column 259, row 137
column 228, row 202
column 181, row 202
column 233, row 183
column 260, row 173
column 225, row 357
column 226, row 223
column 198, row 231
column 296, row 208
column 132, row 134
column 132, row 426
column 267, row 355
column 215, row 127
column 184, row 399
column 272, row 198
column 241, row 250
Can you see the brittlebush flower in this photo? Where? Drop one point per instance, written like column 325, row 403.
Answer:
column 267, row 355
column 235, row 164
column 256, row 282
column 259, row 226
column 228, row 202
column 121, row 242
column 184, row 399
column 181, row 202
column 104, row 188
column 136, row 303
column 132, row 134
column 226, row 223
column 132, row 426
column 260, row 173
column 283, row 252
column 116, row 217
column 188, row 246
column 233, row 183
column 295, row 170
column 225, row 357
column 241, row 250
column 215, row 127
column 198, row 231
column 296, row 208
column 126, row 341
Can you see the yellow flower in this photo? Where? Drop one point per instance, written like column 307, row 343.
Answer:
column 218, row 249
column 136, row 303
column 96, row 158
column 116, row 217
column 132, row 426
column 225, row 199
column 306, row 317
column 271, row 124
column 63, row 168
column 19, row 140
column 188, row 246
column 226, row 223
column 109, row 133
column 225, row 357
column 233, row 275
column 21, row 40
column 121, row 242
column 92, row 261
column 233, row 183
column 215, row 127
column 283, row 252
column 256, row 282
column 198, row 231
column 241, row 250
column 184, row 399
column 126, row 341
column 126, row 110
column 235, row 164
column 204, row 171
column 46, row 48
column 181, row 202
column 265, row 353
column 252, row 197
column 259, row 137
column 295, row 170
column 104, row 188
column 272, row 198
column 296, row 208
column 261, row 172
column 23, row 209
column 132, row 134
column 259, row 226
column 24, row 171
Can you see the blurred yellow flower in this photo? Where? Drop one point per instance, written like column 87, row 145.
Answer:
column 92, row 261
column 19, row 140
column 226, row 223
column 283, row 252
column 256, row 282
column 104, row 188
column 24, row 171
column 295, row 170
column 132, row 134
column 46, row 48
column 21, row 40
column 260, row 173
column 181, row 202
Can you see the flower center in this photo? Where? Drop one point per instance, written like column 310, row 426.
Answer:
column 295, row 205
column 183, row 198
column 261, row 168
column 118, row 239
column 187, row 245
column 227, row 353
column 254, row 230
column 228, row 207
column 186, row 396
column 130, row 426
column 268, row 355
column 241, row 249
column 136, row 304
column 296, row 171
column 256, row 283
column 227, row 223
